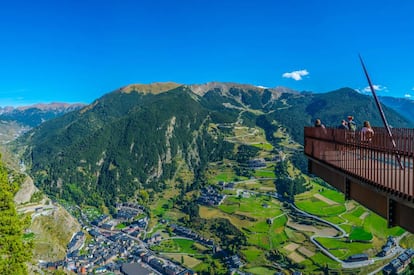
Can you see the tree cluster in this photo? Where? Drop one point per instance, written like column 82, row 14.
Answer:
column 14, row 251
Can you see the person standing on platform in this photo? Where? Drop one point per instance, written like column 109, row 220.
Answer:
column 352, row 129
column 342, row 136
column 318, row 123
column 343, row 125
column 367, row 133
column 366, row 138
column 351, row 124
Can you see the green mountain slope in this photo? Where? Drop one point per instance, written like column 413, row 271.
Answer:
column 403, row 106
column 123, row 142
column 15, row 121
column 331, row 108
column 137, row 137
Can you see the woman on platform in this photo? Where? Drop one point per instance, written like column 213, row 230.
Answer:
column 367, row 133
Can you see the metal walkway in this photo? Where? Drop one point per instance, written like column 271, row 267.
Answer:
column 376, row 174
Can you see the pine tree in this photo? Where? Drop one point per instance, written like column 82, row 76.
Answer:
column 14, row 252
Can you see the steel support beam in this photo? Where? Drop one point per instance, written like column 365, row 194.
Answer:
column 397, row 211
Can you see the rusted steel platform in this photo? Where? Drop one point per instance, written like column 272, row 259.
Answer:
column 376, row 173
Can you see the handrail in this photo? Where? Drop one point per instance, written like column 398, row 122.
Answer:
column 373, row 162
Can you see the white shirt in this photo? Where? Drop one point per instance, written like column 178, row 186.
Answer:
column 366, row 134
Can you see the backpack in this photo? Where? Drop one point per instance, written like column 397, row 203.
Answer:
column 352, row 126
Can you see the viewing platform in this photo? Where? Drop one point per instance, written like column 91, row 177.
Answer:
column 377, row 174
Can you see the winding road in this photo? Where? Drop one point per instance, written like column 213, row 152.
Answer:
column 346, row 265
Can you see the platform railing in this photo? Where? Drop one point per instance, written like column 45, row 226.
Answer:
column 376, row 161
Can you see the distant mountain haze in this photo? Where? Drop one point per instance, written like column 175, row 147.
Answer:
column 33, row 115
column 15, row 121
column 403, row 106
column 56, row 106
column 140, row 135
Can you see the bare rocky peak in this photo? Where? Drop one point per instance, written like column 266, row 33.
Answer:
column 201, row 89
column 51, row 106
column 224, row 87
column 33, row 115
column 7, row 109
column 286, row 90
column 152, row 88
column 54, row 106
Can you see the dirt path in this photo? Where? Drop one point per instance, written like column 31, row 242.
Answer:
column 325, row 199
column 325, row 231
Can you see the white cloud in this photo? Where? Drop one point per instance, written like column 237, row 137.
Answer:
column 407, row 95
column 262, row 87
column 296, row 75
column 366, row 89
column 376, row 88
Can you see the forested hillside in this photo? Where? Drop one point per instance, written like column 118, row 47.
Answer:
column 139, row 136
column 124, row 142
column 403, row 106
column 331, row 108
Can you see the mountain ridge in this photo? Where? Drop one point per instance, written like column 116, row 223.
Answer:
column 34, row 115
column 124, row 142
column 166, row 150
column 404, row 106
column 42, row 106
column 152, row 88
column 16, row 120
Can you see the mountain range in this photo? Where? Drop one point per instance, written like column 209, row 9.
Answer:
column 143, row 136
column 34, row 115
column 403, row 106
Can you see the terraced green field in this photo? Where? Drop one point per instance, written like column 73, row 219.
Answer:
column 269, row 228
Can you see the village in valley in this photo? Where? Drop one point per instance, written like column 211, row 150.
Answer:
column 123, row 244
column 112, row 249
column 126, row 249
column 130, row 242
column 137, row 239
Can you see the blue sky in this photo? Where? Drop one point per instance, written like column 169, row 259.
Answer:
column 76, row 51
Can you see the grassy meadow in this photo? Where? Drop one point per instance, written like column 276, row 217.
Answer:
column 267, row 223
column 367, row 231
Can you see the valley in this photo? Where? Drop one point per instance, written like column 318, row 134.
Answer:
column 267, row 232
column 207, row 138
column 212, row 183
